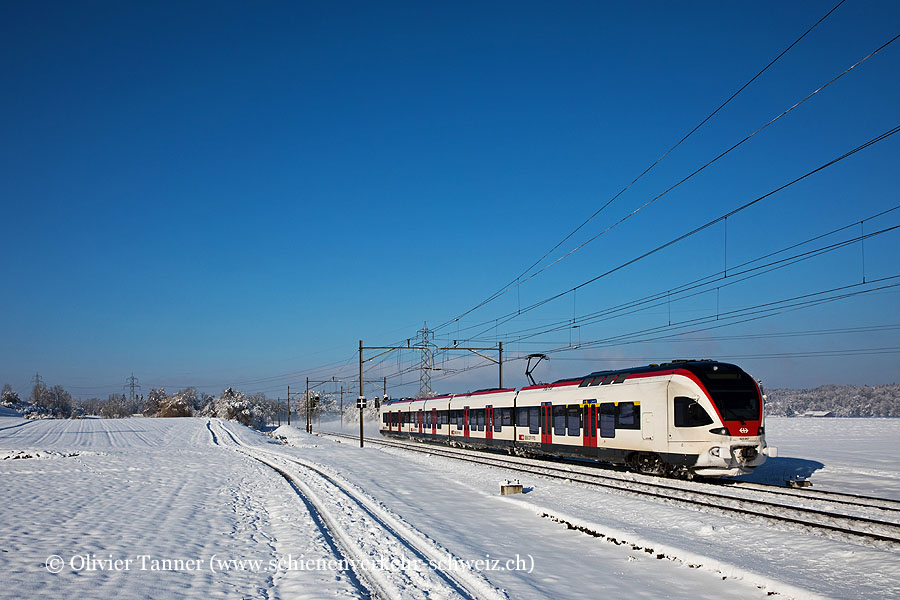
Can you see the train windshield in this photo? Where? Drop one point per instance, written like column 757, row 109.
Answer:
column 733, row 392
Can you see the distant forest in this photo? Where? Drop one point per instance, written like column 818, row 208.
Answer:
column 842, row 400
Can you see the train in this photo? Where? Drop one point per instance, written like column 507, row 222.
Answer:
column 685, row 418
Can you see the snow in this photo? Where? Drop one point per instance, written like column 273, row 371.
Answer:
column 185, row 490
column 857, row 456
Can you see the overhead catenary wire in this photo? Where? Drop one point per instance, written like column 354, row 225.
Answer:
column 658, row 300
column 746, row 314
column 750, row 313
column 521, row 281
column 717, row 277
column 516, row 282
column 692, row 232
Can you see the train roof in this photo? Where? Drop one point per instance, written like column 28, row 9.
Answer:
column 696, row 366
column 692, row 365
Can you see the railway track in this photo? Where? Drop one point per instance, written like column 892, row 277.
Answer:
column 830, row 496
column 873, row 521
column 390, row 557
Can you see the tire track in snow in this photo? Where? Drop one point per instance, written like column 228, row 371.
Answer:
column 364, row 529
column 18, row 425
column 215, row 440
column 330, row 541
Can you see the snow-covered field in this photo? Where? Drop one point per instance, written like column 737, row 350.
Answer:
column 170, row 508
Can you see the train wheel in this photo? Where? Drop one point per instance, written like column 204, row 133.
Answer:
column 648, row 463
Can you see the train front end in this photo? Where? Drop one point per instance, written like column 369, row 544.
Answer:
column 734, row 441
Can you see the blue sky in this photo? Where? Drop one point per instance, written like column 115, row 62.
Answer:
column 235, row 193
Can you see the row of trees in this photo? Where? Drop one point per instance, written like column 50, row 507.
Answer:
column 842, row 400
column 44, row 402
column 254, row 410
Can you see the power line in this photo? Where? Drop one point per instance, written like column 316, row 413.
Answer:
column 657, row 197
column 664, row 297
column 759, row 336
column 745, row 314
column 517, row 282
column 696, row 230
column 769, row 355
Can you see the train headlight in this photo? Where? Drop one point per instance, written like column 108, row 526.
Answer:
column 762, row 430
column 714, row 451
column 719, row 431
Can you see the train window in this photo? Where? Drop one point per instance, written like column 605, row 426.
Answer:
column 629, row 416
column 522, row 417
column 479, row 419
column 559, row 420
column 620, row 378
column 586, row 382
column 498, row 419
column 506, row 416
column 596, row 381
column 534, row 419
column 608, row 380
column 607, row 420
column 573, row 420
column 688, row 413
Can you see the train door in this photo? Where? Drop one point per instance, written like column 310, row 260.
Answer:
column 421, row 418
column 466, row 412
column 546, row 423
column 489, row 422
column 647, row 426
column 434, row 420
column 590, row 425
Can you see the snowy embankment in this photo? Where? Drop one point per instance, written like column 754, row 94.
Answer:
column 197, row 516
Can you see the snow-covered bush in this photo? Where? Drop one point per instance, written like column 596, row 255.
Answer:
column 9, row 398
column 115, row 407
column 154, row 399
column 234, row 406
column 49, row 403
column 178, row 405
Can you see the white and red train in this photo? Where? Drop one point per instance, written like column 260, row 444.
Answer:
column 681, row 418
